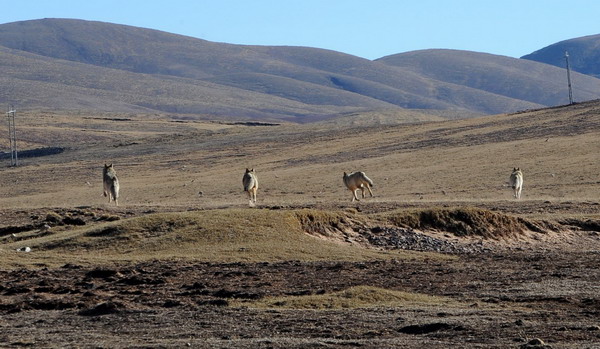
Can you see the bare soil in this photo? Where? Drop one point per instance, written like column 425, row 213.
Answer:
column 501, row 296
column 506, row 300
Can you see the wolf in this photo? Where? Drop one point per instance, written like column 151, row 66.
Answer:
column 250, row 182
column 516, row 182
column 358, row 180
column 111, row 183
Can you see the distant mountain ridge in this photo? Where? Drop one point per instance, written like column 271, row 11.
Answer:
column 516, row 78
column 584, row 54
column 85, row 65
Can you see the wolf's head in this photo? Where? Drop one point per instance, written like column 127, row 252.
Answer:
column 250, row 170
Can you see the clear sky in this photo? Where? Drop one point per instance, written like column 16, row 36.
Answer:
column 366, row 28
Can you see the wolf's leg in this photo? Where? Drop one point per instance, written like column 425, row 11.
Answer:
column 354, row 194
column 370, row 192
column 249, row 192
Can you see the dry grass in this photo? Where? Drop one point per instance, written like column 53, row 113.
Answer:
column 199, row 165
column 463, row 222
column 160, row 162
column 330, row 223
column 351, row 298
column 227, row 235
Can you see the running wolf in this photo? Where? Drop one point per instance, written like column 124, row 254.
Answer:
column 111, row 183
column 250, row 182
column 358, row 180
column 516, row 182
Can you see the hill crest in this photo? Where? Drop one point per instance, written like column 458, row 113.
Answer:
column 126, row 69
column 584, row 54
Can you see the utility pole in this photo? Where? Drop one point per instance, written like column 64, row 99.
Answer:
column 569, row 78
column 12, row 136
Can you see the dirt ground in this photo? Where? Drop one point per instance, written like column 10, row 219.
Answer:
column 501, row 296
column 535, row 289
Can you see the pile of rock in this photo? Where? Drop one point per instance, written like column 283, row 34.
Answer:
column 409, row 239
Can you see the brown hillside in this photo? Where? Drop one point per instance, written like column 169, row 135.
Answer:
column 122, row 69
column 518, row 78
column 584, row 53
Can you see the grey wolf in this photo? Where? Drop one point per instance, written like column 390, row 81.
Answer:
column 250, row 182
column 111, row 183
column 357, row 180
column 516, row 182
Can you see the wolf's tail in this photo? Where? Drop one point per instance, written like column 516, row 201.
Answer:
column 367, row 179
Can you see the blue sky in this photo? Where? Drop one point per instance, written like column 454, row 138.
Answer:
column 367, row 28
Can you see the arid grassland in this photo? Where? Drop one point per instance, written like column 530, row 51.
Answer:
column 442, row 256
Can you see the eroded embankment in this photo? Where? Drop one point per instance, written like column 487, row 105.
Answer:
column 451, row 230
column 236, row 234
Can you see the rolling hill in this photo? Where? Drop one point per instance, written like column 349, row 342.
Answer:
column 584, row 54
column 524, row 80
column 69, row 64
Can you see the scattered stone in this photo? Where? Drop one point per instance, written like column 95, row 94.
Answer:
column 408, row 239
column 24, row 249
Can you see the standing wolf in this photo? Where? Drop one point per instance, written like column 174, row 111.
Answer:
column 111, row 183
column 516, row 182
column 357, row 180
column 250, row 182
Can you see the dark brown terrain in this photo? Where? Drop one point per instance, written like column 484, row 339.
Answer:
column 487, row 295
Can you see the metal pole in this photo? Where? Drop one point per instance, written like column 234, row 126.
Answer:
column 10, row 142
column 569, row 78
column 12, row 136
column 14, row 112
